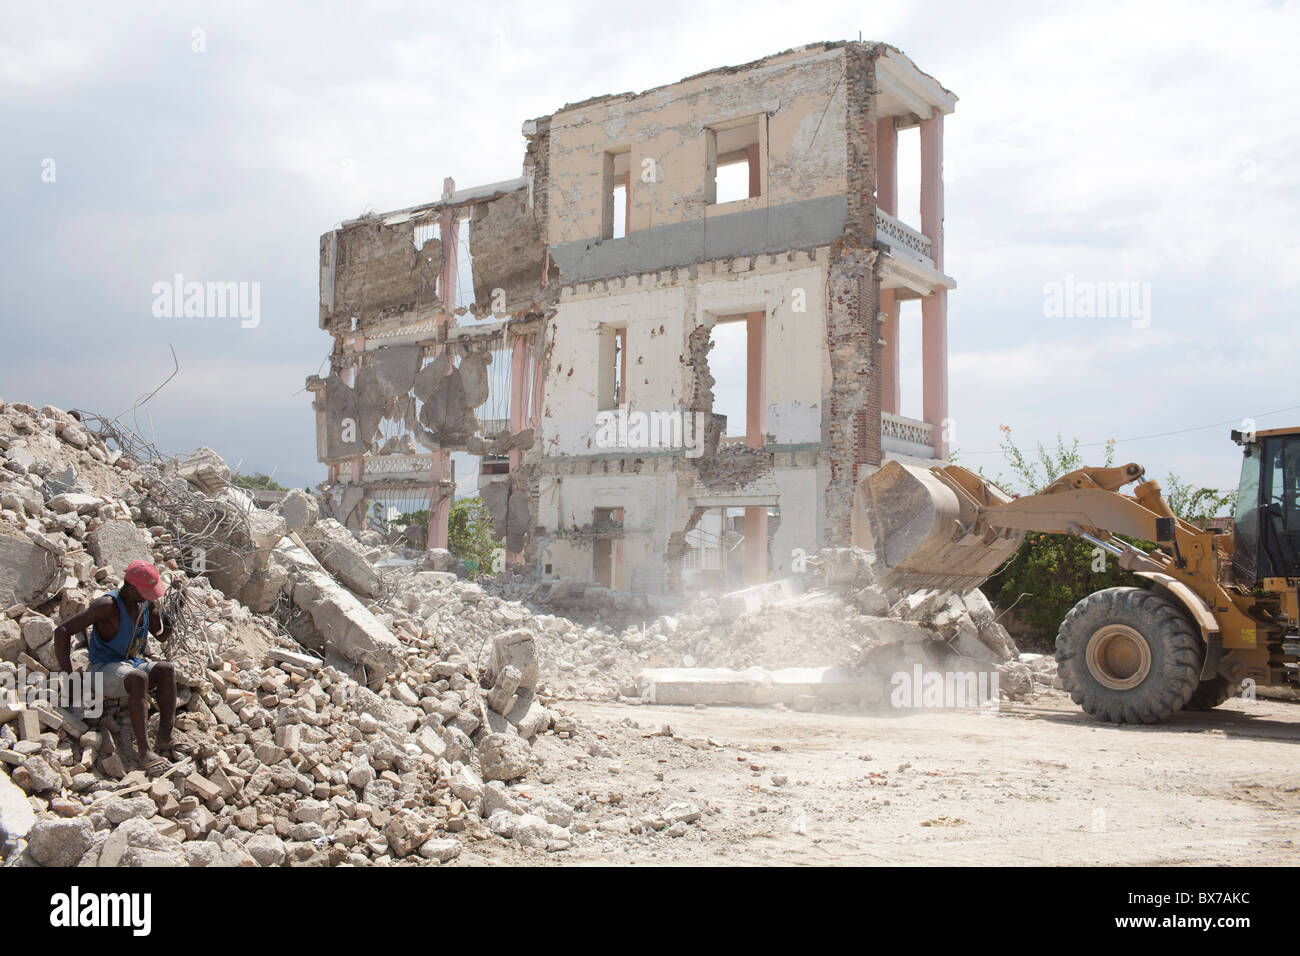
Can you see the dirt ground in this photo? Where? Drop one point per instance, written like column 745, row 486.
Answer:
column 1038, row 783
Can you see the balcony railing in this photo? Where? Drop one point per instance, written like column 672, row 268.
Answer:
column 398, row 466
column 906, row 436
column 901, row 236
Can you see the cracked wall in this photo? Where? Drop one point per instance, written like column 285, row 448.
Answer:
column 802, row 253
column 373, row 273
column 508, row 246
column 671, row 222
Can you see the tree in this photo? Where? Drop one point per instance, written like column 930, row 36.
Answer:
column 1050, row 573
column 1199, row 505
column 1047, row 464
column 259, row 482
column 415, row 525
column 469, row 536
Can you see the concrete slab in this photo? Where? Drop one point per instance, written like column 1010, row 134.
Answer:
column 754, row 686
column 26, row 570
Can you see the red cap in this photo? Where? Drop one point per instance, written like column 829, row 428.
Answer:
column 144, row 577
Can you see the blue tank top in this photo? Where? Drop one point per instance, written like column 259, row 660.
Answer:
column 127, row 645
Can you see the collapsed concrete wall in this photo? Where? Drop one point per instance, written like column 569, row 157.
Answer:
column 373, row 272
column 450, row 393
column 340, row 623
column 508, row 246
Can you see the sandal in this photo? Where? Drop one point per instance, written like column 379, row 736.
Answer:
column 175, row 749
column 155, row 765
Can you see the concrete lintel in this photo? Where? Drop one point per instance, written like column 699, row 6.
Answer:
column 457, row 198
column 914, row 275
column 733, row 501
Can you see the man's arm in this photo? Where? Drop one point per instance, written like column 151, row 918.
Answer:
column 98, row 611
column 158, row 626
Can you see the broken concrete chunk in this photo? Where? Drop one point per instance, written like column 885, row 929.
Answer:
column 267, row 849
column 115, row 544
column 74, row 503
column 977, row 605
column 37, row 630
column 503, row 757
column 529, row 716
column 406, row 831
column 517, row 648
column 339, row 620
column 61, row 843
column 334, row 547
column 995, row 637
column 16, row 815
column 295, row 658
column 299, row 510
column 442, row 850
column 205, row 469
column 507, row 682
column 263, row 588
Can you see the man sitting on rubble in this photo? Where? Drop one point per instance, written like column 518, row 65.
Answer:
column 120, row 624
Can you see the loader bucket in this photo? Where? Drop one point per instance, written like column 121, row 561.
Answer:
column 927, row 528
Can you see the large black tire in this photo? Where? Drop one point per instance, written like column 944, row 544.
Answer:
column 1128, row 656
column 1209, row 694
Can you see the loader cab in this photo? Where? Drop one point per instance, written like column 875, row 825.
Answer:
column 1266, row 526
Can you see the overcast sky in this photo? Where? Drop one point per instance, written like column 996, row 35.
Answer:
column 1138, row 142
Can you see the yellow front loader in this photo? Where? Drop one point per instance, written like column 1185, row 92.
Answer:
column 1222, row 608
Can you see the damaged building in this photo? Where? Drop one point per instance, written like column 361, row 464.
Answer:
column 672, row 342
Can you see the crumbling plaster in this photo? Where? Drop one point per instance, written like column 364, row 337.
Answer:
column 803, row 253
column 670, row 221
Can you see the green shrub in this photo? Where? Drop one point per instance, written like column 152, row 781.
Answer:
column 259, row 482
column 1050, row 573
column 469, row 536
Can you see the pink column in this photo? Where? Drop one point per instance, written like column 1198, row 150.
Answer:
column 520, row 360
column 358, row 463
column 538, row 378
column 755, row 378
column 934, row 307
column 439, row 502
column 887, row 202
column 890, row 386
column 755, row 437
column 887, row 166
column 449, row 230
column 519, row 392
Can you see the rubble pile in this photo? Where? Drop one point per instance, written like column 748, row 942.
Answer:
column 347, row 701
column 834, row 614
column 378, row 748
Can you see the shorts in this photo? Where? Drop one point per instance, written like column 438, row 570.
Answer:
column 115, row 672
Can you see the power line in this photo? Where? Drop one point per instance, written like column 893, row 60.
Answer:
column 1180, row 431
